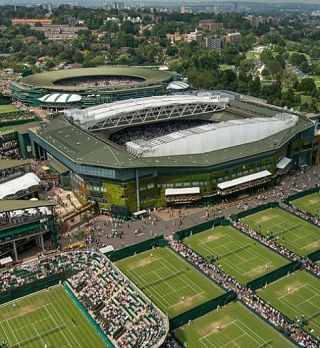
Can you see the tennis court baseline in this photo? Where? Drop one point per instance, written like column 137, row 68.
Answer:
column 294, row 233
column 170, row 282
column 232, row 326
column 298, row 297
column 239, row 255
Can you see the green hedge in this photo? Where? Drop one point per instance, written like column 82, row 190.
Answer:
column 255, row 210
column 200, row 228
column 131, row 250
column 201, row 310
column 315, row 256
column 274, row 275
column 300, row 195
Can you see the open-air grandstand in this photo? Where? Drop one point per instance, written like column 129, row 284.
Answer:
column 146, row 110
column 92, row 86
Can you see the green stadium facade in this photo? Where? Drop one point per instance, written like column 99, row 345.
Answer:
column 103, row 171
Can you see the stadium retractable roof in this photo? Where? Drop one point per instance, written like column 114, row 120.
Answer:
column 215, row 136
column 142, row 110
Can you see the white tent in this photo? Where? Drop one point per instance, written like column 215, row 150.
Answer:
column 22, row 183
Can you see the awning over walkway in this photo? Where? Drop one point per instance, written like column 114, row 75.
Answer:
column 22, row 183
column 283, row 163
column 182, row 191
column 244, row 179
column 106, row 249
column 140, row 212
column 6, row 260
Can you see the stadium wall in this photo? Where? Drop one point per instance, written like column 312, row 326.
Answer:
column 274, row 275
column 35, row 286
column 221, row 221
column 138, row 248
column 298, row 195
column 201, row 310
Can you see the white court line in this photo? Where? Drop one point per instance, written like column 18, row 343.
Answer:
column 135, row 267
column 38, row 335
column 5, row 333
column 292, row 291
column 16, row 338
column 35, row 322
column 64, row 324
column 24, row 313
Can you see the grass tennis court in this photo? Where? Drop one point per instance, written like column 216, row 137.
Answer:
column 239, row 255
column 4, row 109
column 170, row 282
column 44, row 318
column 232, row 326
column 296, row 295
column 292, row 232
column 309, row 203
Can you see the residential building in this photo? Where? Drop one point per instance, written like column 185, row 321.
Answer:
column 31, row 22
column 210, row 25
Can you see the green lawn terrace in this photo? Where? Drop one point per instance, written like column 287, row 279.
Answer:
column 44, row 319
column 309, row 204
column 298, row 297
column 169, row 281
column 232, row 326
column 292, row 232
column 7, row 109
column 240, row 256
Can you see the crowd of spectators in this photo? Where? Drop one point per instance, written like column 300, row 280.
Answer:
column 248, row 297
column 154, row 130
column 121, row 310
column 301, row 213
column 100, row 81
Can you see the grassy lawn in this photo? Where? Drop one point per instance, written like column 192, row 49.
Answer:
column 309, row 203
column 239, row 255
column 4, row 109
column 297, row 295
column 232, row 326
column 292, row 232
column 226, row 67
column 44, row 318
column 169, row 281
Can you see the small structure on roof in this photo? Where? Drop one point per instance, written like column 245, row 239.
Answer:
column 57, row 98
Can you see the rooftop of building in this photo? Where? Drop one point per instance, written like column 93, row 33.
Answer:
column 20, row 204
column 12, row 163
